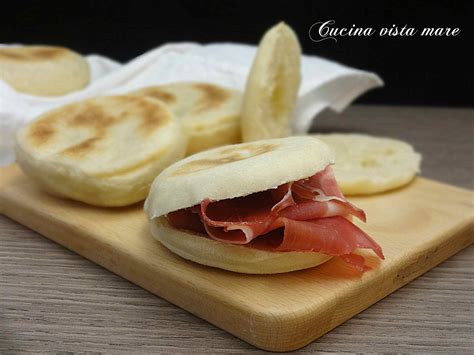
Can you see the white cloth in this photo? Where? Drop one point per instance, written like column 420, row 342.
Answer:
column 325, row 83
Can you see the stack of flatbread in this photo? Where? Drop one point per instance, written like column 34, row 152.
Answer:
column 106, row 151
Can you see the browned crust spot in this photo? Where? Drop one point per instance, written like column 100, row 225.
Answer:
column 151, row 115
column 158, row 94
column 227, row 155
column 31, row 53
column 90, row 114
column 94, row 118
column 211, row 97
column 41, row 132
column 81, row 149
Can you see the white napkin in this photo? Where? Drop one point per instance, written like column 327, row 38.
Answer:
column 325, row 83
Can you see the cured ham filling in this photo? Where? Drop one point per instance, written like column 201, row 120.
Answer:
column 309, row 215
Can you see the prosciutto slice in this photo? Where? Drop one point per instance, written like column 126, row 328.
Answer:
column 309, row 215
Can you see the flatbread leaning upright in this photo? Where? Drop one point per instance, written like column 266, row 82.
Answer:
column 272, row 86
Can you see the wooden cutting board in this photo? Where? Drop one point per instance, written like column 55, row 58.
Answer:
column 418, row 227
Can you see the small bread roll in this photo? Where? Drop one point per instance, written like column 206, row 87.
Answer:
column 272, row 86
column 368, row 165
column 210, row 114
column 43, row 70
column 104, row 151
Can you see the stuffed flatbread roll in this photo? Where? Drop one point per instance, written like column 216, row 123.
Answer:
column 264, row 207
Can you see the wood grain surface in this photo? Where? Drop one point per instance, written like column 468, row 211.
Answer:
column 51, row 299
column 418, row 227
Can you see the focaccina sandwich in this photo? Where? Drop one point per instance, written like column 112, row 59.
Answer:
column 262, row 207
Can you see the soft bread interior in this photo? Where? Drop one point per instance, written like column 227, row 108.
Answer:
column 234, row 171
column 203, row 250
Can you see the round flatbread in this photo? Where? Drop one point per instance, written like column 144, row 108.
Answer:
column 236, row 170
column 43, row 70
column 272, row 86
column 210, row 114
column 104, row 151
column 368, row 165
